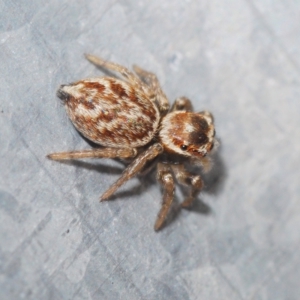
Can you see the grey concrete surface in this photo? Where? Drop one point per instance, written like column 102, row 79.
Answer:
column 238, row 59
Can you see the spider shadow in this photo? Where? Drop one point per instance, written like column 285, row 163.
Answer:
column 198, row 206
column 145, row 181
column 100, row 168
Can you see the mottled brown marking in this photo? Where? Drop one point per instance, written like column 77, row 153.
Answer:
column 198, row 138
column 111, row 99
column 118, row 89
column 88, row 105
column 71, row 103
column 194, row 140
column 145, row 106
column 127, row 130
column 89, row 85
column 132, row 95
column 200, row 122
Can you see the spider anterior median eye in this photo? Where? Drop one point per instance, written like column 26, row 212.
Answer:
column 183, row 147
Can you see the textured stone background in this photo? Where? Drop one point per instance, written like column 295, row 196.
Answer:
column 238, row 59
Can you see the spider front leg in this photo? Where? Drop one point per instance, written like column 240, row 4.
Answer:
column 188, row 179
column 165, row 177
column 95, row 153
column 135, row 167
column 152, row 81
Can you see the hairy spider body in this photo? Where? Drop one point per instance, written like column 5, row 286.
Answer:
column 111, row 112
column 131, row 118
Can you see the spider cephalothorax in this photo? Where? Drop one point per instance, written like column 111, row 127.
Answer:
column 131, row 118
column 187, row 133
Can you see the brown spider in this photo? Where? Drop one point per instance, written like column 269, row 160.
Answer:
column 131, row 118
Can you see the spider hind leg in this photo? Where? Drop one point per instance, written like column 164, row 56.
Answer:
column 94, row 153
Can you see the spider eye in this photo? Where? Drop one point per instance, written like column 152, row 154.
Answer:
column 183, row 147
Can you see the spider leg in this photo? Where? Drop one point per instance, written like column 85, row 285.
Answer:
column 204, row 162
column 182, row 103
column 188, row 179
column 126, row 73
column 165, row 177
column 134, row 168
column 152, row 81
column 95, row 153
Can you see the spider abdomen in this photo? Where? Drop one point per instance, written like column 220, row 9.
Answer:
column 111, row 112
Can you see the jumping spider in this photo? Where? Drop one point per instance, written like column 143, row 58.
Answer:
column 131, row 118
